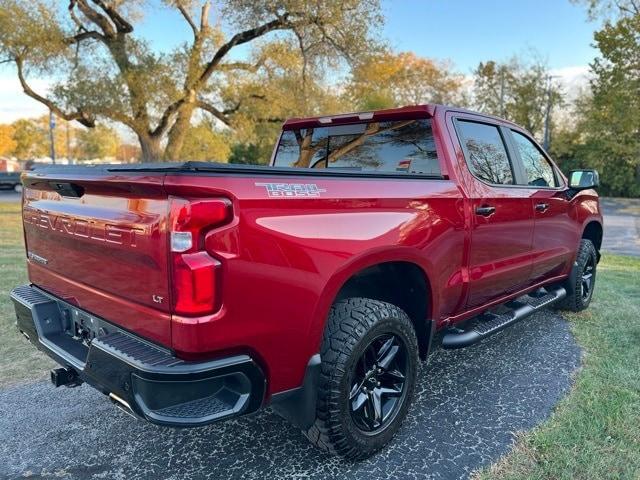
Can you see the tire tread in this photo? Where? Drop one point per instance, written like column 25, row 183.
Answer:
column 349, row 320
column 573, row 302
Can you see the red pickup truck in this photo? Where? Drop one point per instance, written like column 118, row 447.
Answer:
column 194, row 292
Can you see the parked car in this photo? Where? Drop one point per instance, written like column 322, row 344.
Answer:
column 195, row 292
column 10, row 180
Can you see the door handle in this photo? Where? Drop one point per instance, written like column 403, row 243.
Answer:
column 485, row 210
column 542, row 207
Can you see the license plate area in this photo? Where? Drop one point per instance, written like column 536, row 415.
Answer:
column 63, row 329
column 82, row 326
column 83, row 330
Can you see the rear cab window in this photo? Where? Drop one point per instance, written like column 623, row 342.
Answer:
column 399, row 147
column 485, row 152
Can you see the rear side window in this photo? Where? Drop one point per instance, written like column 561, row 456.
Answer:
column 485, row 151
column 405, row 146
column 538, row 169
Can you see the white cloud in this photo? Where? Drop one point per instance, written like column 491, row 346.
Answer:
column 573, row 80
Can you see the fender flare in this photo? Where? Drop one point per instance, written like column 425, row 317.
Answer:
column 352, row 267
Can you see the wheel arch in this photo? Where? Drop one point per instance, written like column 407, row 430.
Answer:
column 401, row 280
column 400, row 283
column 593, row 231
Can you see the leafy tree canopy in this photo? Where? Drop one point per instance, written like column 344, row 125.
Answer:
column 203, row 142
column 99, row 142
column 7, row 143
column 516, row 90
column 610, row 116
column 387, row 79
column 104, row 70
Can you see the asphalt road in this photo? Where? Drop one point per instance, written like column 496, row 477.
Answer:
column 469, row 403
column 9, row 196
column 621, row 225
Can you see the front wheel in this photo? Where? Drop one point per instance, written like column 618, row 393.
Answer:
column 369, row 365
column 582, row 281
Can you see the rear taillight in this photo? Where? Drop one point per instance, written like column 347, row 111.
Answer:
column 196, row 274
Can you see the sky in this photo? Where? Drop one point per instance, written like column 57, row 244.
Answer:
column 464, row 32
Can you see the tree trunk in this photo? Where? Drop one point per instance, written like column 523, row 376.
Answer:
column 151, row 148
column 178, row 133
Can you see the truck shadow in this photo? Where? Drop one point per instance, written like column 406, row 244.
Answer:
column 468, row 403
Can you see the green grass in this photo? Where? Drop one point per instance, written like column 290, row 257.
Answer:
column 18, row 359
column 594, row 432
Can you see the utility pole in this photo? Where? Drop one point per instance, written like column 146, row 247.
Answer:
column 52, row 127
column 68, row 144
column 502, row 91
column 547, row 118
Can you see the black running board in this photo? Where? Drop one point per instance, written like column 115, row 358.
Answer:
column 497, row 323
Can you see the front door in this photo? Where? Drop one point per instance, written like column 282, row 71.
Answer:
column 554, row 236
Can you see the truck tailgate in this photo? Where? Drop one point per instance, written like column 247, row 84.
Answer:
column 101, row 243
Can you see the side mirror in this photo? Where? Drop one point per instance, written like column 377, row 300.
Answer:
column 583, row 179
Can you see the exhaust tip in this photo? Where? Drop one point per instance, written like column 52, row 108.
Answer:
column 122, row 405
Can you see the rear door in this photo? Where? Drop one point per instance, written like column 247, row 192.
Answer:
column 502, row 216
column 554, row 236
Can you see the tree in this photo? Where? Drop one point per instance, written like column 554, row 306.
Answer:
column 7, row 143
column 606, row 133
column 106, row 72
column 31, row 139
column 246, row 153
column 611, row 115
column 516, row 91
column 128, row 153
column 615, row 9
column 98, row 142
column 203, row 142
column 284, row 86
column 387, row 79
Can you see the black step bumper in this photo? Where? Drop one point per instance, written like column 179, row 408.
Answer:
column 143, row 378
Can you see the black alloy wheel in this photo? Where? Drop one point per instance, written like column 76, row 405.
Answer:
column 586, row 286
column 378, row 383
column 582, row 282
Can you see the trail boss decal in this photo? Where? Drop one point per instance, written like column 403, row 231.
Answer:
column 291, row 190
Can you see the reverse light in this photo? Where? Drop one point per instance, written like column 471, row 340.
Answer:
column 195, row 273
column 181, row 241
column 196, row 217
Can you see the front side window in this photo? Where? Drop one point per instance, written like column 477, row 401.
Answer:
column 538, row 169
column 405, row 146
column 486, row 154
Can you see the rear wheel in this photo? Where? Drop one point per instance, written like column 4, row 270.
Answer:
column 369, row 364
column 582, row 282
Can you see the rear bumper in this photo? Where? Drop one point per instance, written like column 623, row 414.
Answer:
column 147, row 380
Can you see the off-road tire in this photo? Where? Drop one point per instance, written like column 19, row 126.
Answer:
column 575, row 301
column 352, row 325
